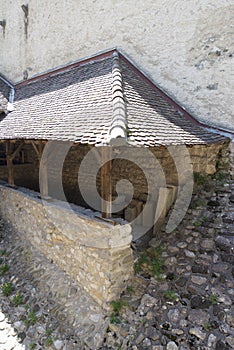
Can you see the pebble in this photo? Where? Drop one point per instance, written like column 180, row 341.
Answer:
column 58, row 344
column 198, row 280
column 189, row 254
column 211, row 341
column 173, row 315
column 207, row 244
column 182, row 245
column 230, row 341
column 198, row 333
column 198, row 317
column 172, row 346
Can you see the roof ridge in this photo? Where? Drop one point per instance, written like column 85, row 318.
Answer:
column 118, row 128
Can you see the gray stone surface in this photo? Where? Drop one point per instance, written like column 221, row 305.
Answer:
column 162, row 311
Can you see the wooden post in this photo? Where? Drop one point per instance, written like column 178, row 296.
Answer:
column 10, row 167
column 106, row 186
column 43, row 172
column 44, row 179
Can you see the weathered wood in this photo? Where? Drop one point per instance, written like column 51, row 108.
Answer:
column 38, row 147
column 43, row 169
column 14, row 154
column 35, row 148
column 43, row 179
column 10, row 167
column 106, row 186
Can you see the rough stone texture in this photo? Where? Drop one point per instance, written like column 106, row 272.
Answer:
column 188, row 308
column 186, row 47
column 96, row 254
column 158, row 311
column 63, row 312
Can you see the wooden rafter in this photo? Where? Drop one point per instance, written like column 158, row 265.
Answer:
column 18, row 149
column 38, row 147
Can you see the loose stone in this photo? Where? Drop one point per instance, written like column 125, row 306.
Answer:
column 230, row 341
column 172, row 346
column 198, row 280
column 198, row 333
column 189, row 254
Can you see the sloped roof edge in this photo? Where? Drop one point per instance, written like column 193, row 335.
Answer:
column 120, row 54
column 225, row 132
column 121, row 72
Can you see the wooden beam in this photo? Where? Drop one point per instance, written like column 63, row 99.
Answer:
column 14, row 154
column 106, row 186
column 38, row 147
column 35, row 149
column 10, row 167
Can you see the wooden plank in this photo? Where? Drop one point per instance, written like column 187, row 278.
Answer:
column 106, row 186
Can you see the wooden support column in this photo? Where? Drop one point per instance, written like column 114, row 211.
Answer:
column 106, row 186
column 38, row 147
column 11, row 154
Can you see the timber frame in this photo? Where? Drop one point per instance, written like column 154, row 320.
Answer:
column 38, row 145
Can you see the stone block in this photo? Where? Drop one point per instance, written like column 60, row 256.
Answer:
column 148, row 214
column 130, row 213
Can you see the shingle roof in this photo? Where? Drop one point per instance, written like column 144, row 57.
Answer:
column 96, row 100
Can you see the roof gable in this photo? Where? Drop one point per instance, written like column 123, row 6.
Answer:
column 96, row 100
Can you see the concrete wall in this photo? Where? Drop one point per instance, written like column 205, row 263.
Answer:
column 96, row 254
column 185, row 46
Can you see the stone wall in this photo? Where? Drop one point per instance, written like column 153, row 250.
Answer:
column 186, row 47
column 24, row 174
column 96, row 254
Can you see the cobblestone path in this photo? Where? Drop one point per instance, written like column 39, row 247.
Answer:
column 182, row 296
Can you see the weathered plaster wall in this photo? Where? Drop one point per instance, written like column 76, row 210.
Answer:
column 185, row 46
column 95, row 254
